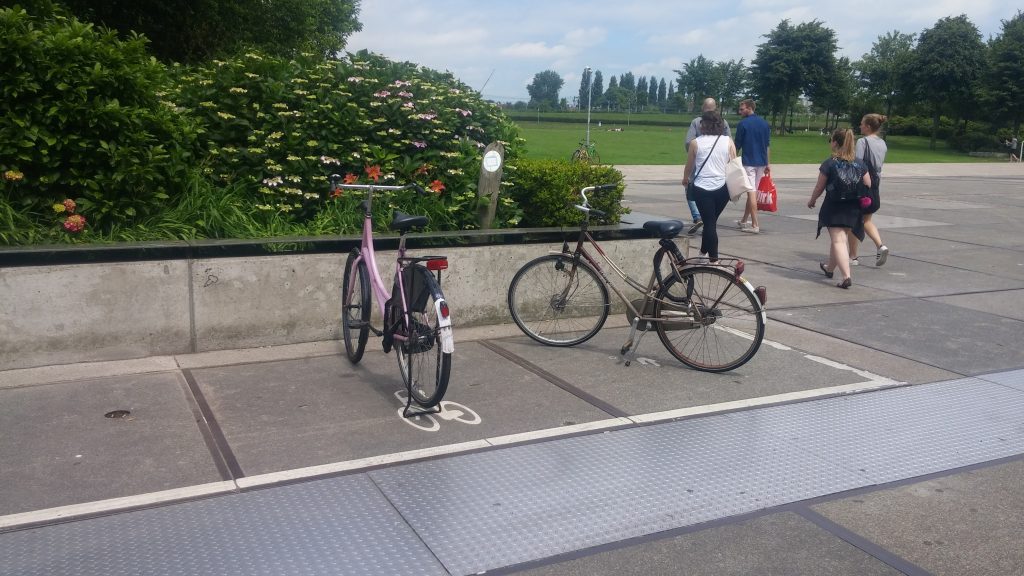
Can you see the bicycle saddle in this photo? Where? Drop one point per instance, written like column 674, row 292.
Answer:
column 403, row 221
column 664, row 228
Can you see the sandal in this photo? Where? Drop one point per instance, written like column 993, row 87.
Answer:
column 845, row 284
column 825, row 270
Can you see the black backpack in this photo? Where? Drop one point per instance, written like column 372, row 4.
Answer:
column 845, row 182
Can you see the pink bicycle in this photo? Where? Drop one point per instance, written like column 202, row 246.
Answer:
column 416, row 320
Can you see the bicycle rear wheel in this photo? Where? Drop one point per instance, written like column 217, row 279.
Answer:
column 355, row 309
column 711, row 321
column 557, row 301
column 581, row 155
column 422, row 359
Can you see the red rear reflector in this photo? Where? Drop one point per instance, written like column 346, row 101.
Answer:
column 762, row 294
column 444, row 309
column 437, row 264
column 740, row 267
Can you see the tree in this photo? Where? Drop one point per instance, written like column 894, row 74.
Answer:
column 641, row 92
column 664, row 92
column 733, row 77
column 627, row 81
column 586, row 89
column 1006, row 77
column 794, row 60
column 652, row 92
column 697, row 80
column 191, row 31
column 884, row 71
column 598, row 89
column 948, row 62
column 544, row 90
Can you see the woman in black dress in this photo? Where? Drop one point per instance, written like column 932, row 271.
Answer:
column 842, row 218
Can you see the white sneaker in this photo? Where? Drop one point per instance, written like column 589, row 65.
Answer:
column 702, row 259
column 883, row 253
column 854, row 262
column 751, row 229
column 742, row 224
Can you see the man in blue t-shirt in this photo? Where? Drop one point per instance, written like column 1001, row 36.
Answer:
column 753, row 136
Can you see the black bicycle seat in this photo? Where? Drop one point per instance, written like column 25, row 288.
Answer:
column 402, row 221
column 664, row 228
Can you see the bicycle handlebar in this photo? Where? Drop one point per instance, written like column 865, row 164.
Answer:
column 335, row 180
column 586, row 201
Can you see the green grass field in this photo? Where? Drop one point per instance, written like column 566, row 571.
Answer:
column 641, row 144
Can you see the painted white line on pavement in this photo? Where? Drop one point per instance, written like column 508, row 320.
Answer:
column 763, row 401
column 560, row 431
column 350, row 465
column 114, row 504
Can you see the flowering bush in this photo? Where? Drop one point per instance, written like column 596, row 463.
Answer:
column 281, row 127
column 80, row 108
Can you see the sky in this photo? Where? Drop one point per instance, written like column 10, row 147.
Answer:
column 497, row 47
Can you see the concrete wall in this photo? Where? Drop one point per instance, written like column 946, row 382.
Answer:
column 114, row 311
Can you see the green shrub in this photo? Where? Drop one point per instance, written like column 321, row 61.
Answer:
column 81, row 118
column 279, row 128
column 547, row 190
column 974, row 141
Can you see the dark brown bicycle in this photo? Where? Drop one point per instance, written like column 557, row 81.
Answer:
column 707, row 315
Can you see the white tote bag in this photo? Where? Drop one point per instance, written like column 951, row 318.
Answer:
column 736, row 179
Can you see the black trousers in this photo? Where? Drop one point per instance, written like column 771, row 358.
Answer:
column 711, row 204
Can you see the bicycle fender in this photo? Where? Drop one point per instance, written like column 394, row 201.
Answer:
column 444, row 320
column 764, row 312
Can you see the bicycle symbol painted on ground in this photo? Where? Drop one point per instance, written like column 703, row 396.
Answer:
column 450, row 412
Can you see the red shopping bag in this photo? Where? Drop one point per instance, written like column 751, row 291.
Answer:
column 767, row 197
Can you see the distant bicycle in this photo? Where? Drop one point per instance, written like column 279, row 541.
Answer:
column 587, row 152
column 706, row 315
column 416, row 320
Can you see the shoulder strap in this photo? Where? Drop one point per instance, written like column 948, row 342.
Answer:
column 706, row 158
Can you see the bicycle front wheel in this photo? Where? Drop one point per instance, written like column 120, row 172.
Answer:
column 710, row 320
column 558, row 301
column 422, row 359
column 355, row 309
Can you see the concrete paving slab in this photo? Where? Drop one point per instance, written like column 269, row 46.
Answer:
column 963, row 524
column 948, row 337
column 781, row 543
column 297, row 413
column 999, row 262
column 658, row 382
column 914, row 277
column 798, row 283
column 59, row 449
column 854, row 354
column 996, row 235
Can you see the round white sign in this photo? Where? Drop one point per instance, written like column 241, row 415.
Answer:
column 492, row 161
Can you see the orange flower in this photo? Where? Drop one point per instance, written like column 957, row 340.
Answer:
column 373, row 172
column 350, row 178
column 422, row 170
column 437, row 186
column 336, row 193
column 70, row 206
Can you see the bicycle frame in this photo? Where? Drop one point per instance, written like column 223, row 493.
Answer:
column 378, row 287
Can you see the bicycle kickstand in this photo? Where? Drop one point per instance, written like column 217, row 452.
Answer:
column 411, row 412
column 628, row 351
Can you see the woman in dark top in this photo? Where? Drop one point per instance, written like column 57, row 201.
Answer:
column 842, row 218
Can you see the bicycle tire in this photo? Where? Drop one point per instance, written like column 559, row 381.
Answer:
column 424, row 364
column 558, row 301
column 594, row 157
column 711, row 321
column 355, row 309
column 581, row 155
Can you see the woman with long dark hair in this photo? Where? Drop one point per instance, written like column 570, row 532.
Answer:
column 706, row 159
